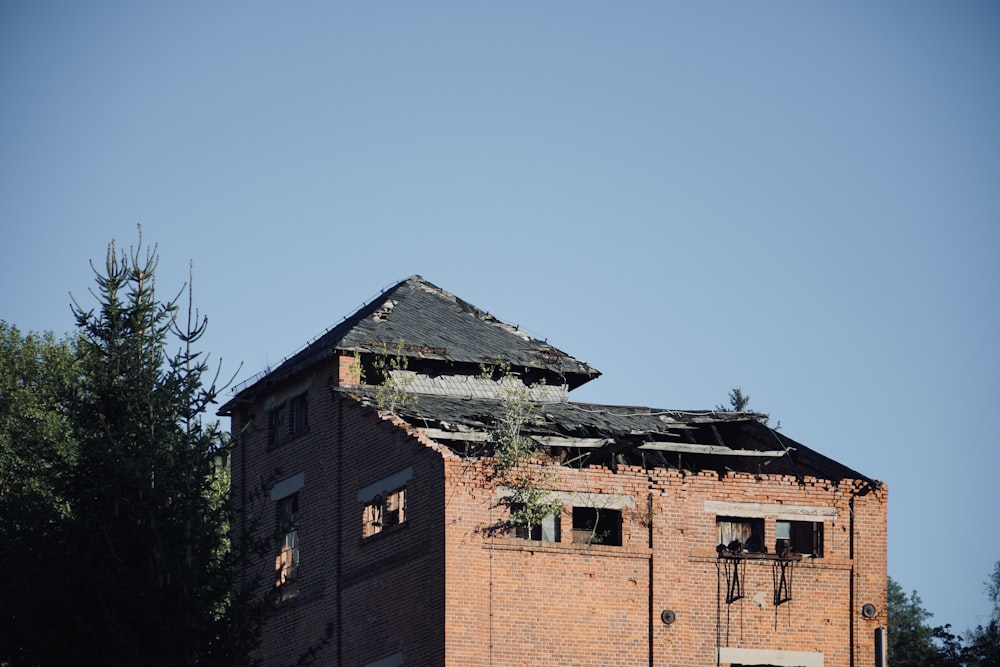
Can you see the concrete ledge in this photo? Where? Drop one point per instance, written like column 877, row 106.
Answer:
column 752, row 656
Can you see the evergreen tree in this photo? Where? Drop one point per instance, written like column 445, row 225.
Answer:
column 983, row 646
column 913, row 643
column 138, row 510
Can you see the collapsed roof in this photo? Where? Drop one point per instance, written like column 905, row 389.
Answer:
column 585, row 434
column 445, row 337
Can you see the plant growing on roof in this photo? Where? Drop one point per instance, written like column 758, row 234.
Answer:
column 531, row 500
column 391, row 367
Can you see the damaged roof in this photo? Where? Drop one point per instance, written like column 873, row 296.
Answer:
column 584, row 434
column 423, row 321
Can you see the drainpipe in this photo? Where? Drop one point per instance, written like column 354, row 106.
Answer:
column 652, row 553
column 339, row 440
column 850, row 611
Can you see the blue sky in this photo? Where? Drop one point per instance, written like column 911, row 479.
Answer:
column 802, row 199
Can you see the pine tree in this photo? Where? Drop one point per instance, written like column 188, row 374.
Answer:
column 149, row 489
column 131, row 562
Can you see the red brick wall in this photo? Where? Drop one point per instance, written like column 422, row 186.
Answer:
column 441, row 591
column 299, row 623
column 392, row 593
column 512, row 602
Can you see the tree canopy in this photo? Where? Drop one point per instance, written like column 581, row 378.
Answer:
column 915, row 643
column 113, row 490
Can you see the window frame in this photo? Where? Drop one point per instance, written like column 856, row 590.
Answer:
column 288, row 419
column 586, row 530
column 384, row 513
column 750, row 533
column 288, row 561
column 549, row 530
column 804, row 538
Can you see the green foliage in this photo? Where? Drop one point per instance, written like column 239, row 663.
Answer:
column 740, row 402
column 983, row 644
column 392, row 392
column 912, row 642
column 531, row 500
column 37, row 379
column 130, row 561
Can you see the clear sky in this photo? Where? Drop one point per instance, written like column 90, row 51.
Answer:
column 799, row 198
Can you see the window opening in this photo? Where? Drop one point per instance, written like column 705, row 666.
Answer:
column 384, row 511
column 286, row 565
column 277, row 425
column 297, row 410
column 737, row 535
column 594, row 525
column 549, row 530
column 799, row 537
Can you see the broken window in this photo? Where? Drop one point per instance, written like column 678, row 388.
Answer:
column 286, row 565
column 596, row 525
column 297, row 414
column 546, row 531
column 287, row 419
column 384, row 511
column 277, row 427
column 799, row 537
column 736, row 534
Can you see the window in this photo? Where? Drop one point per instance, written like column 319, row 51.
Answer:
column 288, row 419
column 546, row 531
column 735, row 534
column 799, row 537
column 276, row 425
column 298, row 414
column 384, row 511
column 286, row 565
column 595, row 525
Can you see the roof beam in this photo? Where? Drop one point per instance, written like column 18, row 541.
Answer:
column 583, row 443
column 466, row 436
column 597, row 443
column 716, row 450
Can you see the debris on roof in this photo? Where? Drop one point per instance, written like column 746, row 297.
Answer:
column 583, row 435
column 425, row 322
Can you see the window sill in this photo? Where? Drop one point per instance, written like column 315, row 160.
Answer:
column 271, row 446
column 371, row 539
column 833, row 562
column 515, row 544
column 304, row 594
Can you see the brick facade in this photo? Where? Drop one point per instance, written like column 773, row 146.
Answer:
column 433, row 584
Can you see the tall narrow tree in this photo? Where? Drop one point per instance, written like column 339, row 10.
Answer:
column 150, row 517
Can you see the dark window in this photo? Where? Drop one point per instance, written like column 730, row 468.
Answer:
column 277, row 424
column 297, row 410
column 288, row 419
column 740, row 534
column 594, row 525
column 384, row 511
column 799, row 537
column 547, row 531
column 286, row 565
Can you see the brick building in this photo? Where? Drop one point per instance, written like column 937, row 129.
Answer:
column 667, row 537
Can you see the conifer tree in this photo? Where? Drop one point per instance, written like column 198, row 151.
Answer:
column 149, row 487
column 132, row 563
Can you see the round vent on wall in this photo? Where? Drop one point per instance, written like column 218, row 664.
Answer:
column 868, row 610
column 668, row 616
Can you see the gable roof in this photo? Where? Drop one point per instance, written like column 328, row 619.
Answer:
column 424, row 321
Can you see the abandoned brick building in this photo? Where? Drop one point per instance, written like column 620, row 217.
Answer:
column 623, row 536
